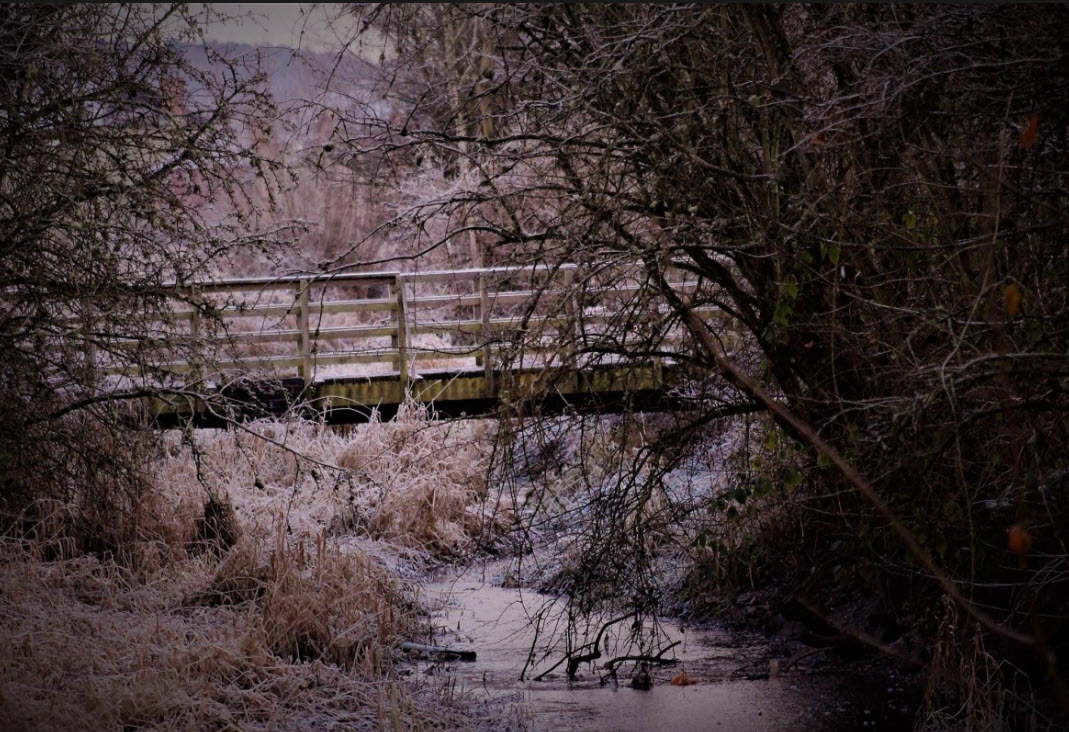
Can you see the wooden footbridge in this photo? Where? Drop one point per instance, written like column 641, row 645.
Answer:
column 349, row 346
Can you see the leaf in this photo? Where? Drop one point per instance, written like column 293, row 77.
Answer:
column 782, row 314
column 791, row 477
column 772, row 440
column 681, row 679
column 1011, row 299
column 1019, row 540
column 1030, row 132
column 833, row 254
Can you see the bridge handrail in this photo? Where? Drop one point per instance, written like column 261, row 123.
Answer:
column 290, row 280
column 402, row 322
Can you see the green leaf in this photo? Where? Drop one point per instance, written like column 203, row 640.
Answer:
column 763, row 487
column 791, row 477
column 782, row 314
column 772, row 440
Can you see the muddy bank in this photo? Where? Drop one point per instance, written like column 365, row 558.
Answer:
column 731, row 684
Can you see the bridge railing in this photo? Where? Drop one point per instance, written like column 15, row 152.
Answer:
column 394, row 323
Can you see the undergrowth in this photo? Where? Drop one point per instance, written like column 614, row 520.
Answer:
column 265, row 583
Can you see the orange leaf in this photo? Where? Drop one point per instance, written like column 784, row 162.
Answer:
column 1030, row 132
column 681, row 679
column 1011, row 300
column 1018, row 539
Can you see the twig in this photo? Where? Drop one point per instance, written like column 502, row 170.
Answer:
column 658, row 659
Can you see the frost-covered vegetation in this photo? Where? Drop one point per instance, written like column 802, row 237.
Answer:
column 260, row 578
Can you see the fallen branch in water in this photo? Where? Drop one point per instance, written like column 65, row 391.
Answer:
column 612, row 663
column 449, row 653
column 575, row 661
column 801, row 656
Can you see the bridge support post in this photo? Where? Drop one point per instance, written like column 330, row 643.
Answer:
column 194, row 333
column 402, row 334
column 571, row 314
column 484, row 314
column 304, row 341
column 390, row 297
column 90, row 345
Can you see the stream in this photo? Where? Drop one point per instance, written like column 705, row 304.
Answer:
column 730, row 689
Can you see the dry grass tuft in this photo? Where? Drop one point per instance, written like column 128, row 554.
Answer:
column 316, row 602
column 217, row 530
column 258, row 583
column 427, row 480
column 968, row 688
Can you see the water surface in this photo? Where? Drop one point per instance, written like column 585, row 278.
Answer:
column 496, row 623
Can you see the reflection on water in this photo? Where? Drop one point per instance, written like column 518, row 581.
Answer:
column 495, row 622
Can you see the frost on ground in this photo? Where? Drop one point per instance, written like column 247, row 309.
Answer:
column 265, row 583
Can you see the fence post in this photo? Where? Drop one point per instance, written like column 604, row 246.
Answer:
column 402, row 333
column 304, row 341
column 484, row 314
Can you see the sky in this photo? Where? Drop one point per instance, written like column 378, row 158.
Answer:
column 276, row 24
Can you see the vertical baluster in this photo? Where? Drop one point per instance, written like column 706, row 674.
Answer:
column 304, row 340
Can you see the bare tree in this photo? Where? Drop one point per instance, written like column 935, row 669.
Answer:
column 129, row 146
column 873, row 199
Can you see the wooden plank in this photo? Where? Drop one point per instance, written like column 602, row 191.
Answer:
column 456, row 275
column 333, row 306
column 477, row 325
column 323, row 334
column 285, row 282
column 499, row 298
column 355, row 331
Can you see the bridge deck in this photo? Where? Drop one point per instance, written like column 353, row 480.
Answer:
column 346, row 400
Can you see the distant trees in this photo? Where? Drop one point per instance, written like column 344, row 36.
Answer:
column 124, row 146
column 874, row 195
